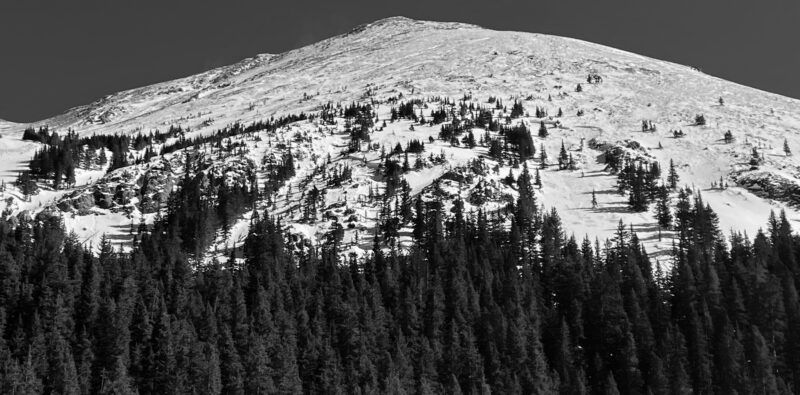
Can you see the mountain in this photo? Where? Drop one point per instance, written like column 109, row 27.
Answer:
column 451, row 68
column 391, row 211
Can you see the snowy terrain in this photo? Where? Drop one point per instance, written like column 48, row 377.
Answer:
column 427, row 60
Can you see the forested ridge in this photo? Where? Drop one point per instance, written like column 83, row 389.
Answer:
column 478, row 307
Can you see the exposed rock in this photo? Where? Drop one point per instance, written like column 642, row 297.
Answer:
column 80, row 201
column 457, row 175
column 103, row 200
column 770, row 185
column 123, row 194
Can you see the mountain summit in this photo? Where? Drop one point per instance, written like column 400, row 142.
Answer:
column 441, row 58
column 466, row 108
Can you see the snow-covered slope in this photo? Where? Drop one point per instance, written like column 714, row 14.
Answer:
column 399, row 54
column 427, row 60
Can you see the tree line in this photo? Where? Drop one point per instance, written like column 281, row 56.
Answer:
column 478, row 306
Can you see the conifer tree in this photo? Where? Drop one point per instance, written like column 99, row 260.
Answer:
column 728, row 137
column 419, row 219
column 517, row 110
column 543, row 158
column 700, row 120
column 502, row 301
column 663, row 211
column 672, row 178
column 563, row 157
column 755, row 158
column 543, row 133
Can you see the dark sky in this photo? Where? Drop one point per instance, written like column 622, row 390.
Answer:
column 53, row 57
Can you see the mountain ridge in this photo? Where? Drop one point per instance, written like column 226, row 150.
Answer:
column 407, row 209
column 437, row 65
column 387, row 29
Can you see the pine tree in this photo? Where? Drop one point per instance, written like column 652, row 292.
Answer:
column 563, row 157
column 117, row 382
column 543, row 157
column 760, row 364
column 755, row 158
column 786, row 149
column 594, row 199
column 70, row 175
column 232, row 370
column 419, row 220
column 510, row 180
column 672, row 178
column 471, row 140
column 524, row 183
column 728, row 137
column 517, row 110
column 502, row 301
column 700, row 120
column 663, row 211
column 543, row 133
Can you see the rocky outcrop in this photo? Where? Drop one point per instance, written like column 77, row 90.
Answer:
column 770, row 185
column 77, row 201
column 148, row 187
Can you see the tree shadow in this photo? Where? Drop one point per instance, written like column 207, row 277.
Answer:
column 659, row 254
column 121, row 234
column 598, row 173
column 654, row 236
column 603, row 192
column 651, row 227
column 612, row 210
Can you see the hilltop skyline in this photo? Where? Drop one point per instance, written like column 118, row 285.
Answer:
column 58, row 57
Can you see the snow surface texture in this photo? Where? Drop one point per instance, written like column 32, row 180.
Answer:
column 428, row 59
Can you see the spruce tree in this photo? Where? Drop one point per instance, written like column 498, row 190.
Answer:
column 419, row 220
column 517, row 110
column 543, row 157
column 538, row 180
column 663, row 211
column 672, row 178
column 563, row 157
column 543, row 133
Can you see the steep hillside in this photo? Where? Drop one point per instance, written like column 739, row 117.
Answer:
column 449, row 74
